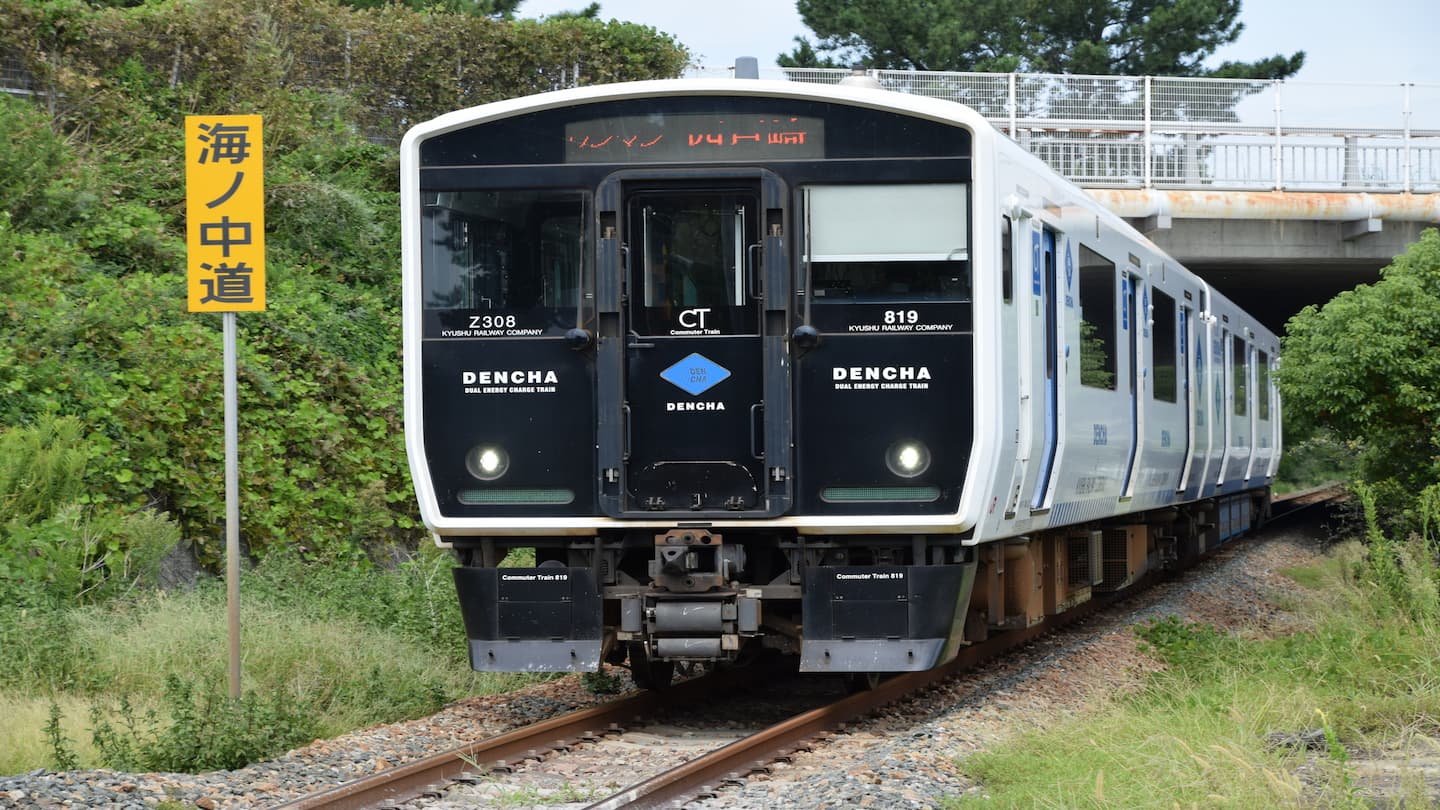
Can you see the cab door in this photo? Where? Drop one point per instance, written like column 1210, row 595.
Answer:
column 694, row 366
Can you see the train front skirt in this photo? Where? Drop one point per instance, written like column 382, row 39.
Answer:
column 888, row 618
column 543, row 619
column 883, row 618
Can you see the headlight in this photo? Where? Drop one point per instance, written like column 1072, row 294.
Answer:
column 907, row 458
column 487, row 462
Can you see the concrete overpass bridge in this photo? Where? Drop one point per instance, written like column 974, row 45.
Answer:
column 1279, row 193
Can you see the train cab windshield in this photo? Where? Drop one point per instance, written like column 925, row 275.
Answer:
column 512, row 260
column 869, row 248
column 878, row 243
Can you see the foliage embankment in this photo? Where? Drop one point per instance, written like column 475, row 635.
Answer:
column 108, row 344
column 1231, row 720
column 92, row 252
column 389, row 65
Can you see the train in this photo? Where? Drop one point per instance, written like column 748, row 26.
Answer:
column 703, row 369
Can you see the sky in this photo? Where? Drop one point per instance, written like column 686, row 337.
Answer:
column 1344, row 40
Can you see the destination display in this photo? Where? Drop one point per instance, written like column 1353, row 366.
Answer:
column 691, row 137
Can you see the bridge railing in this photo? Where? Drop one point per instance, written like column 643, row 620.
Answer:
column 1168, row 132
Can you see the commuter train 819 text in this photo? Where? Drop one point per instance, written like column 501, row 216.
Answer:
column 829, row 370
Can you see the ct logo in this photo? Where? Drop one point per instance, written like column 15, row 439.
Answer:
column 694, row 318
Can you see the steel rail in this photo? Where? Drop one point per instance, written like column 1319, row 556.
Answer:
column 754, row 751
column 414, row 778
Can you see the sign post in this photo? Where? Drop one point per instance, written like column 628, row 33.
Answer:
column 225, row 272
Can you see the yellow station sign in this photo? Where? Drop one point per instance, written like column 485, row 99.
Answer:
column 225, row 213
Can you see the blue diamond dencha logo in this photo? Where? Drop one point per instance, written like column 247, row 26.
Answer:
column 695, row 374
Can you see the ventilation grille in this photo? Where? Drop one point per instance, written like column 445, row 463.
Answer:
column 1116, row 556
column 1077, row 553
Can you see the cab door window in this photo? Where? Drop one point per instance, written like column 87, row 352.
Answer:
column 691, row 255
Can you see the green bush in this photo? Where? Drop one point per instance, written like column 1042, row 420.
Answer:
column 41, row 470
column 54, row 549
column 201, row 731
column 37, row 169
column 1318, row 459
column 1403, row 576
column 1365, row 368
column 398, row 65
column 57, row 552
column 320, row 371
column 321, row 449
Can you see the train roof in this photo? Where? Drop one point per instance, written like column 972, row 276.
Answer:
column 923, row 106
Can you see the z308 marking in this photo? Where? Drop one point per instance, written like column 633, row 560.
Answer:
column 491, row 321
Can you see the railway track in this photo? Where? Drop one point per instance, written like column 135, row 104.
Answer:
column 732, row 761
column 529, row 742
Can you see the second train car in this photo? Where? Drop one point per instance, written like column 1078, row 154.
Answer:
column 829, row 370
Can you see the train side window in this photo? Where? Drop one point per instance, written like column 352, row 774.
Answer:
column 1097, row 320
column 515, row 252
column 1007, row 261
column 1240, row 369
column 1262, row 385
column 1163, row 347
column 877, row 243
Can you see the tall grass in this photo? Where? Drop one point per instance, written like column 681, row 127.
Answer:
column 98, row 668
column 1216, row 728
column 326, row 649
column 23, row 742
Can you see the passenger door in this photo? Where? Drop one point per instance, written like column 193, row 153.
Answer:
column 1043, row 288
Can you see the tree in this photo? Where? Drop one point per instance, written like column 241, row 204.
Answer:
column 500, row 9
column 590, row 12
column 1108, row 37
column 1366, row 367
column 908, row 34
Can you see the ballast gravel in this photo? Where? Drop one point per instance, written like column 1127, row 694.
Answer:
column 901, row 758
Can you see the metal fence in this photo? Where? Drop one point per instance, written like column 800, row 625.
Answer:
column 14, row 78
column 1159, row 132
